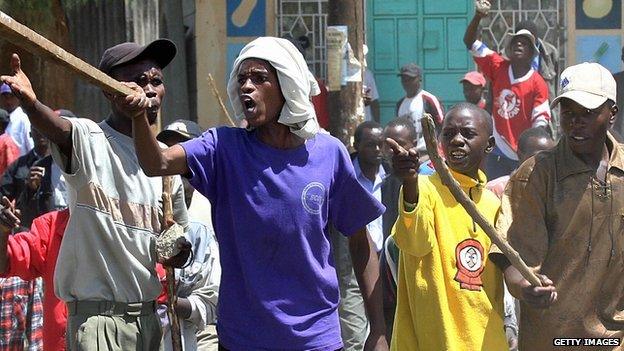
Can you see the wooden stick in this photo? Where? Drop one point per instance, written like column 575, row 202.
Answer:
column 215, row 91
column 20, row 35
column 172, row 297
column 469, row 206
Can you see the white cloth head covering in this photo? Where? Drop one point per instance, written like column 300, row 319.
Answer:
column 296, row 81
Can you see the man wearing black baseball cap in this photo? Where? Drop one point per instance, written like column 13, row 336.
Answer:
column 417, row 101
column 105, row 270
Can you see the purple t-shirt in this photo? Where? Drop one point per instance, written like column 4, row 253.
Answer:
column 271, row 210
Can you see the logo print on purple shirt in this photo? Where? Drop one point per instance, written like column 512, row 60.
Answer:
column 313, row 197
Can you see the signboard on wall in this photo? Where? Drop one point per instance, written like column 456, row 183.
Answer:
column 604, row 49
column 598, row 14
column 246, row 18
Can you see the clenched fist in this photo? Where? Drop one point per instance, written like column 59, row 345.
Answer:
column 482, row 7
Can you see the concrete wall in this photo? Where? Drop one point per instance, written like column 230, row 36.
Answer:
column 220, row 33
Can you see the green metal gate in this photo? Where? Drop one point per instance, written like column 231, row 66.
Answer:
column 428, row 32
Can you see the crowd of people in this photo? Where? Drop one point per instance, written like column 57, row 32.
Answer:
column 291, row 242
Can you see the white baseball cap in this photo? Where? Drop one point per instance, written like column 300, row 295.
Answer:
column 521, row 33
column 588, row 84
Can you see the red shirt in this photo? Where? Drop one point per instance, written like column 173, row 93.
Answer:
column 33, row 254
column 9, row 151
column 320, row 102
column 519, row 103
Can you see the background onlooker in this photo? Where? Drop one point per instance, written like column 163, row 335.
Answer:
column 370, row 173
column 520, row 94
column 19, row 124
column 9, row 151
column 198, row 284
column 370, row 93
column 531, row 142
column 417, row 101
column 473, row 86
column 546, row 62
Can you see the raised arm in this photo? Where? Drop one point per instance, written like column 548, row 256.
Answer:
column 56, row 129
column 154, row 160
column 482, row 7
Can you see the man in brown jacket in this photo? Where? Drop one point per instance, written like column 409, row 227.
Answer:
column 563, row 211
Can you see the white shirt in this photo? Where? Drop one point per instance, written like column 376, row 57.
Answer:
column 369, row 83
column 375, row 228
column 412, row 108
column 116, row 214
column 19, row 129
column 59, row 188
column 199, row 283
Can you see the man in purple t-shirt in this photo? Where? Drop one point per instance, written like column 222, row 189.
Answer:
column 275, row 187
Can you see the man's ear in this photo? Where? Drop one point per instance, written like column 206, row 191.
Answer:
column 490, row 145
column 614, row 110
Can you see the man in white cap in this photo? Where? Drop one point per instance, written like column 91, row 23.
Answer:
column 562, row 212
column 520, row 94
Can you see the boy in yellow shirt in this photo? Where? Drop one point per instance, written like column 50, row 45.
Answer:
column 449, row 296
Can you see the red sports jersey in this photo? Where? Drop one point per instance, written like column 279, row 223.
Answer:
column 33, row 254
column 519, row 103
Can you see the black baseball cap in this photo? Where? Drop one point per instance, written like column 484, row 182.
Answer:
column 411, row 70
column 162, row 51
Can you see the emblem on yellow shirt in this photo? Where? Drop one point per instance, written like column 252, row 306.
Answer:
column 469, row 256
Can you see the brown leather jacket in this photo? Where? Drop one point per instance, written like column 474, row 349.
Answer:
column 569, row 227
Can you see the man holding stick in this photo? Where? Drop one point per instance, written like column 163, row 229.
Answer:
column 450, row 297
column 563, row 212
column 106, row 265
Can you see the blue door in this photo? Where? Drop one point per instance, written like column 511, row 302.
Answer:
column 428, row 32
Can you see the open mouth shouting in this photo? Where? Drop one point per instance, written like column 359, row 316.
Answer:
column 457, row 155
column 249, row 105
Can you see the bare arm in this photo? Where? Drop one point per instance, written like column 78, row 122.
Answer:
column 472, row 30
column 482, row 7
column 154, row 160
column 535, row 296
column 58, row 130
column 366, row 267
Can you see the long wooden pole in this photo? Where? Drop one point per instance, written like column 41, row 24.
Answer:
column 22, row 36
column 469, row 206
column 172, row 297
column 215, row 92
